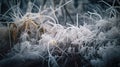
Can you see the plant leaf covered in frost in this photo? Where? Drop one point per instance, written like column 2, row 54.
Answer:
column 97, row 40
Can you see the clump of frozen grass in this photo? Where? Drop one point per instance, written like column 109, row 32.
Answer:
column 41, row 35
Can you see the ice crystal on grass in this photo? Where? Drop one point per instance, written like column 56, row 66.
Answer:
column 93, row 39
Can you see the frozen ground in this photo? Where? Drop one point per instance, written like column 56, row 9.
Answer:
column 64, row 35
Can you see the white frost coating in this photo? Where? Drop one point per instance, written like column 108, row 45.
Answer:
column 97, row 40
